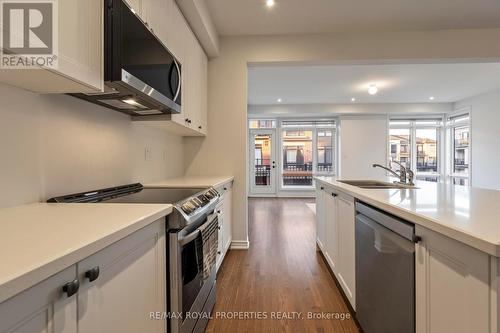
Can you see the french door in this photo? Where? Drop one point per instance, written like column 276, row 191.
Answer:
column 262, row 162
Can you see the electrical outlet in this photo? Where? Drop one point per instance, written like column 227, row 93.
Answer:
column 148, row 154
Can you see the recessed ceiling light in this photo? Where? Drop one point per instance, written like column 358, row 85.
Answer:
column 269, row 3
column 279, row 100
column 372, row 89
column 353, row 99
column 431, row 98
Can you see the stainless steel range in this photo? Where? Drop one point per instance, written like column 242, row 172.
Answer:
column 192, row 243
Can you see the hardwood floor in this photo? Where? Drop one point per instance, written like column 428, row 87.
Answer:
column 281, row 273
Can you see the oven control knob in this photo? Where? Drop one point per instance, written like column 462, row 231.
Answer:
column 185, row 207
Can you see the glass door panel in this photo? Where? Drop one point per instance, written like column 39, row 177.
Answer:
column 263, row 164
column 324, row 151
column 297, row 166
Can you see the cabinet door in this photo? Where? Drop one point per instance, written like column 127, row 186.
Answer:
column 137, row 6
column 347, row 258
column 79, row 53
column 227, row 207
column 332, row 230
column 177, row 43
column 452, row 286
column 157, row 14
column 80, row 41
column 42, row 308
column 130, row 285
column 320, row 218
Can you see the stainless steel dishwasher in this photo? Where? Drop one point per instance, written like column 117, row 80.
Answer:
column 385, row 272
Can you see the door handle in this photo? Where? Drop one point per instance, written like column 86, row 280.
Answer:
column 71, row 287
column 92, row 274
column 179, row 83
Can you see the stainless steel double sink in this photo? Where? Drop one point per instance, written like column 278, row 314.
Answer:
column 376, row 184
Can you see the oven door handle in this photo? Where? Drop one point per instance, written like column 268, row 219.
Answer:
column 189, row 238
column 192, row 236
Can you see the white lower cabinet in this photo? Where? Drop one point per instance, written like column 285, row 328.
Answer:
column 320, row 218
column 42, row 308
column 332, row 230
column 129, row 285
column 224, row 209
column 452, row 286
column 335, row 228
column 347, row 256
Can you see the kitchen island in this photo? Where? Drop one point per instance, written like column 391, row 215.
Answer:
column 456, row 258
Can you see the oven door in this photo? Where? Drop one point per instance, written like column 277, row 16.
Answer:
column 189, row 291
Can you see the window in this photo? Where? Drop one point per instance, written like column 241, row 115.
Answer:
column 261, row 123
column 415, row 143
column 458, row 127
column 308, row 150
column 399, row 140
column 324, row 146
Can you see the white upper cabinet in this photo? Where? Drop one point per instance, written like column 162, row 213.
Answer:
column 167, row 22
column 79, row 53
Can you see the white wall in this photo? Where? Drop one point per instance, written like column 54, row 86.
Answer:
column 485, row 136
column 363, row 141
column 223, row 151
column 56, row 144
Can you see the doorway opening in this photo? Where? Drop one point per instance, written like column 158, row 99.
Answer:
column 286, row 154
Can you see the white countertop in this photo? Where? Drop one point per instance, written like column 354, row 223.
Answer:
column 191, row 182
column 39, row 240
column 469, row 215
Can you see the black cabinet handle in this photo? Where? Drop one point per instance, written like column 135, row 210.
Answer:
column 218, row 252
column 322, row 188
column 218, row 211
column 334, row 195
column 199, row 127
column 71, row 288
column 218, row 228
column 186, row 120
column 417, row 239
column 189, row 121
column 92, row 274
column 225, row 188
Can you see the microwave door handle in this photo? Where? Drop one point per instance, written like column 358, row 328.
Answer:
column 178, row 81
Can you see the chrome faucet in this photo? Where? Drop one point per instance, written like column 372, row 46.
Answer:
column 402, row 175
column 408, row 173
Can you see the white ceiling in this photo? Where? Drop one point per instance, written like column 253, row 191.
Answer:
column 252, row 17
column 396, row 83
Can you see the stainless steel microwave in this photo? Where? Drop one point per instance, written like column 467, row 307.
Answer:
column 141, row 75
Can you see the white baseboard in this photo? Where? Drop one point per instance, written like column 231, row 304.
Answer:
column 240, row 245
